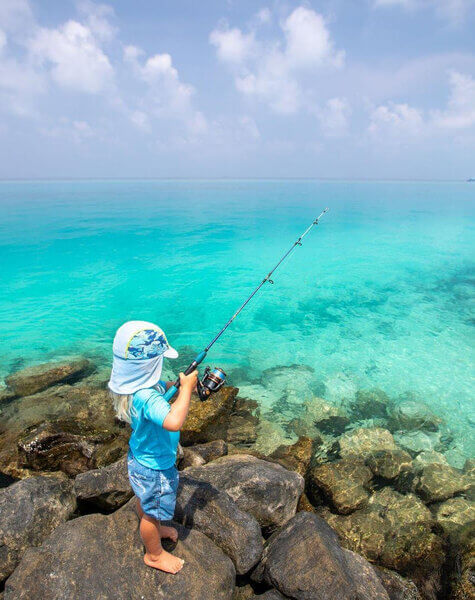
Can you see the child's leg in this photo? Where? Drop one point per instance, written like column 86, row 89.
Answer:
column 168, row 533
column 155, row 555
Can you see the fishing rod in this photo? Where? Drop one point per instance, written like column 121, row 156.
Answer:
column 214, row 379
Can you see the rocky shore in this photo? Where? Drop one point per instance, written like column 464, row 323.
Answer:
column 359, row 503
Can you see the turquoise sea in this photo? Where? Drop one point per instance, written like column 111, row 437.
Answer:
column 380, row 294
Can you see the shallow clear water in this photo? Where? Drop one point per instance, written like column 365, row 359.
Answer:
column 380, row 295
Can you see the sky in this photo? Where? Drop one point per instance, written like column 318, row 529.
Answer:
column 361, row 89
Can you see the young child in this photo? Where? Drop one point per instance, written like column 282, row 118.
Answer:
column 137, row 392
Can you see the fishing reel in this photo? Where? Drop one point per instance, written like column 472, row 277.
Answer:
column 211, row 382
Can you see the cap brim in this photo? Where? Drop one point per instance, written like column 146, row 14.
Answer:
column 170, row 353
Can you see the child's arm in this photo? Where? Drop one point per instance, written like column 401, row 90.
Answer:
column 179, row 409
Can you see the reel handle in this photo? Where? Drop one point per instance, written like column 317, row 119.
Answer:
column 172, row 390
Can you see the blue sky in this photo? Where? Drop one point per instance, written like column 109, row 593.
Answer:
column 362, row 89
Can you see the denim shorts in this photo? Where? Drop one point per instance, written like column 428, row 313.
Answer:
column 155, row 489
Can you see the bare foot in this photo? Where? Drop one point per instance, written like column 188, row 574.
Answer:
column 169, row 533
column 164, row 562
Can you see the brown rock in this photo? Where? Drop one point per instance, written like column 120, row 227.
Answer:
column 397, row 587
column 389, row 464
column 40, row 377
column 200, row 454
column 343, row 482
column 463, row 574
column 453, row 516
column 296, row 457
column 107, row 488
column 209, row 420
column 438, row 482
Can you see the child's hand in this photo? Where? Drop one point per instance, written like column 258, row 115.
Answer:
column 189, row 381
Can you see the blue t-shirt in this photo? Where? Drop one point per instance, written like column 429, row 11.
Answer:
column 151, row 444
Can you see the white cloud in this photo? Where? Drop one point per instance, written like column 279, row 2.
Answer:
column 165, row 95
column 279, row 71
column 399, row 120
column 98, row 19
column 396, row 120
column 232, row 45
column 460, row 111
column 74, row 57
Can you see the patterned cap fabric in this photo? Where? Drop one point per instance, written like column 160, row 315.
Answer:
column 138, row 351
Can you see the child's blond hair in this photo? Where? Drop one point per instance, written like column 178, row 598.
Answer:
column 122, row 405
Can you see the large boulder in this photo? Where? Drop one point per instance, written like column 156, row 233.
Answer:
column 29, row 511
column 343, row 482
column 394, row 531
column 101, row 556
column 75, row 427
column 305, row 561
column 437, row 482
column 40, row 377
column 200, row 454
column 209, row 420
column 265, row 490
column 107, row 488
column 326, row 416
column 203, row 507
column 463, row 575
column 365, row 441
column 419, row 441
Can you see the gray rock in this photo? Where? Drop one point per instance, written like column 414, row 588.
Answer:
column 107, row 488
column 326, row 416
column 265, row 490
column 413, row 415
column 296, row 457
column 200, row 454
column 428, row 457
column 40, row 377
column 29, row 511
column 438, row 482
column 203, row 507
column 101, row 557
column 343, row 482
column 304, row 561
column 419, row 441
column 389, row 464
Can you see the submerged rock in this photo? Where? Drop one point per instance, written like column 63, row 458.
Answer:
column 463, row 574
column 410, row 415
column 364, row 442
column 99, row 556
column 209, row 420
column 419, row 441
column 428, row 457
column 370, row 404
column 389, row 464
column 304, row 560
column 325, row 416
column 107, row 488
column 40, row 377
column 200, row 454
column 394, row 531
column 29, row 511
column 343, row 482
column 265, row 490
column 203, row 507
column 438, row 482
column 453, row 516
